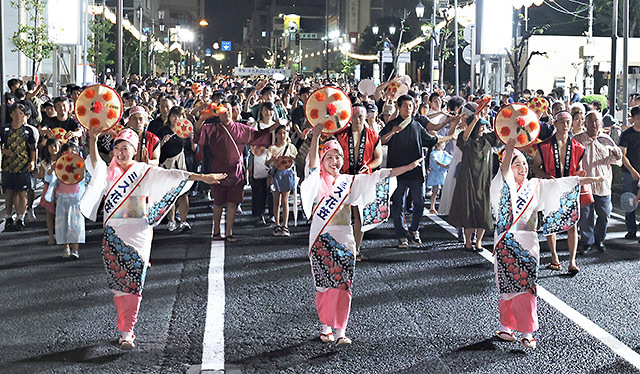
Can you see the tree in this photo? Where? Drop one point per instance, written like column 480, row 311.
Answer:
column 515, row 56
column 101, row 47
column 33, row 40
column 349, row 66
column 603, row 12
column 129, row 52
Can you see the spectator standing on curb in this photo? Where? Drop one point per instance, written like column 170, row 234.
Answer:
column 600, row 152
column 630, row 146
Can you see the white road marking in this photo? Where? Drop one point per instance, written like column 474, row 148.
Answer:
column 213, row 341
column 596, row 331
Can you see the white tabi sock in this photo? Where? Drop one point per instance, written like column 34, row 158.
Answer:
column 340, row 333
column 505, row 329
column 326, row 329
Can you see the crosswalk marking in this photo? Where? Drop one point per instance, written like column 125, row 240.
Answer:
column 586, row 324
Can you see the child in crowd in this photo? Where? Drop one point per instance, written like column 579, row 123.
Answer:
column 50, row 153
column 69, row 220
column 439, row 161
column 258, row 173
column 283, row 180
column 18, row 149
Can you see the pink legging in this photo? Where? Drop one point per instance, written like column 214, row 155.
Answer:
column 519, row 313
column 127, row 307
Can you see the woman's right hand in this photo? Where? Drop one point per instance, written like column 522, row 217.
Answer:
column 416, row 163
column 165, row 139
column 317, row 130
column 94, row 132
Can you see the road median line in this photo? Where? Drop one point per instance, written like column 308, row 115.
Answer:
column 586, row 324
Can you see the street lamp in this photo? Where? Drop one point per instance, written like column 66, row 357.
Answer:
column 419, row 10
column 203, row 22
column 375, row 29
column 392, row 30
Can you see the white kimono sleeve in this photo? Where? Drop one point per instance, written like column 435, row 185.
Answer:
column 309, row 191
column 163, row 187
column 560, row 204
column 372, row 194
column 96, row 189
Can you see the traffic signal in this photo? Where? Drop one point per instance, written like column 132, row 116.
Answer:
column 297, row 38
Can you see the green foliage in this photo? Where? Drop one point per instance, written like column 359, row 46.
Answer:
column 101, row 46
column 129, row 53
column 163, row 59
column 32, row 39
column 349, row 66
column 603, row 12
column 591, row 98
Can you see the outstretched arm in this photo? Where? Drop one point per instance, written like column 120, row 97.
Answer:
column 587, row 180
column 213, row 178
column 403, row 169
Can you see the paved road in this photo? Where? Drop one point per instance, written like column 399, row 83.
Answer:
column 424, row 310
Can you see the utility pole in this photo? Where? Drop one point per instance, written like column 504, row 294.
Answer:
column 625, row 63
column 151, row 42
column 3, row 113
column 85, row 31
column 119, row 43
column 613, row 69
column 457, row 62
column 140, row 42
column 433, row 43
column 326, row 37
column 587, row 52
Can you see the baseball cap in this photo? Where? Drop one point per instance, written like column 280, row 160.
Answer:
column 370, row 107
column 608, row 120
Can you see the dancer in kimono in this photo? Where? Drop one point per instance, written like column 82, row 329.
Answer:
column 516, row 201
column 331, row 240
column 137, row 197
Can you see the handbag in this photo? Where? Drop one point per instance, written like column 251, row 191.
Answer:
column 273, row 170
column 586, row 196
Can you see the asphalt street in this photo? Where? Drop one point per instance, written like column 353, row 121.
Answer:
column 431, row 309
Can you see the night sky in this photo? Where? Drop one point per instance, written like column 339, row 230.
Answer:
column 226, row 19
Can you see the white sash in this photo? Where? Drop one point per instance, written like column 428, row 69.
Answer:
column 523, row 199
column 329, row 206
column 123, row 188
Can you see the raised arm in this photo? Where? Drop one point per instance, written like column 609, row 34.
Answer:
column 94, row 131
column 507, row 156
column 313, row 149
column 469, row 129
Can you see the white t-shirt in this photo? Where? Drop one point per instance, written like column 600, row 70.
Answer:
column 260, row 170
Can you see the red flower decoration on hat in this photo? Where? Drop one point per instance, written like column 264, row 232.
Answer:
column 521, row 122
column 97, row 107
column 331, row 109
